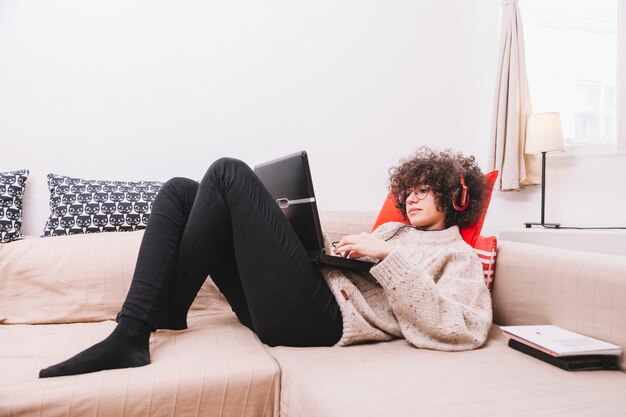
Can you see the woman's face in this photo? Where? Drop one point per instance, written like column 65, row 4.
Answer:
column 422, row 210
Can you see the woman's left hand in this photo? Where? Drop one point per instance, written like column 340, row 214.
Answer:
column 363, row 244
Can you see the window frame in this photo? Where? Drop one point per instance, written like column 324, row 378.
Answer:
column 621, row 79
column 619, row 147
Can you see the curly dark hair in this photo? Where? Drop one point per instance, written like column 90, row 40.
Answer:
column 441, row 172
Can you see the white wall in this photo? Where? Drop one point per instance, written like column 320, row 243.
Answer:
column 154, row 89
column 581, row 191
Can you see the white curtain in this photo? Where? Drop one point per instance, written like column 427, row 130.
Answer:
column 512, row 108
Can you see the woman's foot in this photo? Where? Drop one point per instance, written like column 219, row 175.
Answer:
column 126, row 347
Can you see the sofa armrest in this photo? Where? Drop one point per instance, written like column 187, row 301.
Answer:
column 581, row 291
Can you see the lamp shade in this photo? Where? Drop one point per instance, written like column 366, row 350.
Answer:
column 544, row 133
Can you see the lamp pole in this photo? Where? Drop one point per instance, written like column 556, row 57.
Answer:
column 543, row 198
column 543, row 187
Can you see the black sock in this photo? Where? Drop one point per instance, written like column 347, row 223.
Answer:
column 126, row 347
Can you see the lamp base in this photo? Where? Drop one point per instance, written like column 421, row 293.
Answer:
column 548, row 225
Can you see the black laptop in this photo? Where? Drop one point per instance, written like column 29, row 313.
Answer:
column 288, row 179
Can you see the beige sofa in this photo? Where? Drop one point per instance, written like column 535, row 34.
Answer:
column 59, row 295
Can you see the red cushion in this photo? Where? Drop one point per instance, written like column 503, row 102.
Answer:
column 485, row 248
column 390, row 213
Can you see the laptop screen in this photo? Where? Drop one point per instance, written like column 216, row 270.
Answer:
column 288, row 179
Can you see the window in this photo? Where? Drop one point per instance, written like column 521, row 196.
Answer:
column 571, row 59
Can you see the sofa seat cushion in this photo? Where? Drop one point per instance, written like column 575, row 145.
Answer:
column 394, row 379
column 217, row 367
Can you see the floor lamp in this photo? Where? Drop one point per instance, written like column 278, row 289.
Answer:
column 544, row 134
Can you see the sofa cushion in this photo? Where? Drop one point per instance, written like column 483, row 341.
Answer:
column 395, row 379
column 486, row 249
column 91, row 206
column 76, row 278
column 12, row 185
column 217, row 367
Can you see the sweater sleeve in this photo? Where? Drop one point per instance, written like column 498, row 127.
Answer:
column 450, row 311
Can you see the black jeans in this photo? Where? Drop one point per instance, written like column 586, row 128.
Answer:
column 229, row 227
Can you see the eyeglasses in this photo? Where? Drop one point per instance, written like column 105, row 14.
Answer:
column 420, row 193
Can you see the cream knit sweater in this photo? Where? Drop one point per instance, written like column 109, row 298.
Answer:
column 429, row 290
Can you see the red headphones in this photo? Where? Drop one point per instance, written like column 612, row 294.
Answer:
column 461, row 198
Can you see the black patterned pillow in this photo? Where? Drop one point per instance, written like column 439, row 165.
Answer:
column 12, row 186
column 91, row 206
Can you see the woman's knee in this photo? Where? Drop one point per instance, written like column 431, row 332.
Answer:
column 179, row 184
column 224, row 165
column 226, row 168
column 179, row 189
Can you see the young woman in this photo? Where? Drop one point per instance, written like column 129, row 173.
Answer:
column 427, row 286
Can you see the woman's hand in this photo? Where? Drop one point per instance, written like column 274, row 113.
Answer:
column 363, row 244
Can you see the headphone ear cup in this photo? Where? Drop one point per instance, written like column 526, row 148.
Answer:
column 461, row 198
